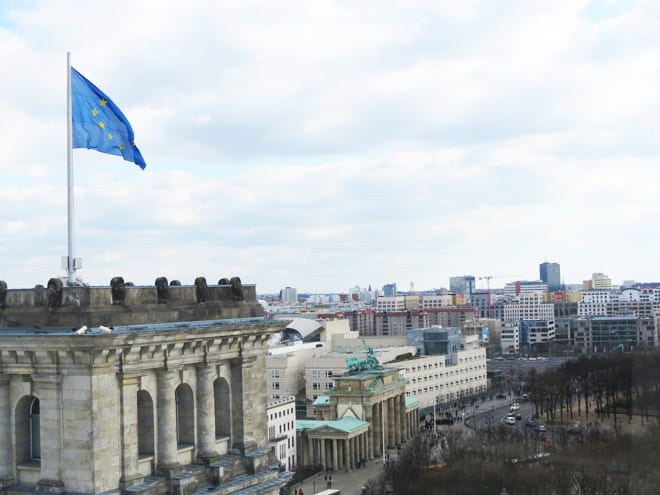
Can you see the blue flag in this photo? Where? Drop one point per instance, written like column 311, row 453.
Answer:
column 98, row 123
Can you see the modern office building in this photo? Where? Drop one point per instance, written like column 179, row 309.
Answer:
column 389, row 290
column 464, row 285
column 528, row 306
column 289, row 295
column 610, row 334
column 550, row 274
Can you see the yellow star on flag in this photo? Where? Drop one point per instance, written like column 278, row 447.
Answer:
column 95, row 112
column 103, row 102
column 110, row 136
column 101, row 124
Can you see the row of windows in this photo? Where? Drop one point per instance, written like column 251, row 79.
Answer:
column 279, row 414
column 317, row 385
column 317, row 373
column 454, row 384
column 280, row 429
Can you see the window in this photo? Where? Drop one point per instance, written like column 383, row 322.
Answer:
column 316, row 386
column 316, row 374
column 275, row 374
column 35, row 430
column 276, row 385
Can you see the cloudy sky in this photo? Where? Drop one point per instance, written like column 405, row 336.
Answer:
column 327, row 144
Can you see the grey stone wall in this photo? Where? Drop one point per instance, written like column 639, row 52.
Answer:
column 88, row 428
column 94, row 306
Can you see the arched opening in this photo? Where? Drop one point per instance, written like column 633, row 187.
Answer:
column 145, row 423
column 28, row 430
column 222, row 398
column 185, row 416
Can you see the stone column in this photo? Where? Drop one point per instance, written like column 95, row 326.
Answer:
column 6, row 470
column 391, row 415
column 50, row 407
column 205, row 413
column 335, row 457
column 166, row 414
column 243, row 398
column 323, row 451
column 402, row 418
column 369, row 418
column 378, row 425
column 347, row 458
column 397, row 420
column 129, row 434
column 309, row 455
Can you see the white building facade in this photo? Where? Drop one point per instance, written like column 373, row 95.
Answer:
column 282, row 430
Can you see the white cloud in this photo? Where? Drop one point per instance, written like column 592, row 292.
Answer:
column 325, row 144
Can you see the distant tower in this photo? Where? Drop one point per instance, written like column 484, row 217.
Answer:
column 412, row 287
column 549, row 273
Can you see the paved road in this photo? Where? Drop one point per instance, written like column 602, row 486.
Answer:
column 350, row 483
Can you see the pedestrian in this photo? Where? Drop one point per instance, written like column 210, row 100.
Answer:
column 300, row 491
column 329, row 484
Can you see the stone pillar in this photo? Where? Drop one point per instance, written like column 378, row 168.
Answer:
column 6, row 470
column 347, row 457
column 323, row 451
column 166, row 414
column 243, row 398
column 402, row 418
column 353, row 445
column 397, row 420
column 205, row 413
column 335, row 457
column 377, row 437
column 50, row 407
column 369, row 418
column 309, row 455
column 391, row 415
column 129, row 433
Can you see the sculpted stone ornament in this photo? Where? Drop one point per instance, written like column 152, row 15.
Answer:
column 54, row 293
column 236, row 289
column 3, row 293
column 176, row 283
column 201, row 289
column 118, row 288
column 162, row 290
column 223, row 281
column 356, row 364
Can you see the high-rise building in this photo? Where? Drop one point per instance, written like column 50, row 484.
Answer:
column 289, row 295
column 389, row 289
column 550, row 274
column 462, row 285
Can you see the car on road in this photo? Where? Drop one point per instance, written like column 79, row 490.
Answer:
column 515, row 406
column 540, row 427
column 531, row 423
column 518, row 416
column 510, row 420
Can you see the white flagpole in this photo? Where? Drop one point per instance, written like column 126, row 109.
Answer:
column 71, row 269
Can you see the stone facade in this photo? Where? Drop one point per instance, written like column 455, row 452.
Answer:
column 366, row 413
column 150, row 397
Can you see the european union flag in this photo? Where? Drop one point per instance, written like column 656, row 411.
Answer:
column 98, row 123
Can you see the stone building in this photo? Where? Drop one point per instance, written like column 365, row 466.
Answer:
column 135, row 389
column 364, row 414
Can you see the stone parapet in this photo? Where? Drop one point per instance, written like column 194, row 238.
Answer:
column 133, row 305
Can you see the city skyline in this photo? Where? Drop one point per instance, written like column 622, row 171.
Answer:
column 329, row 144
